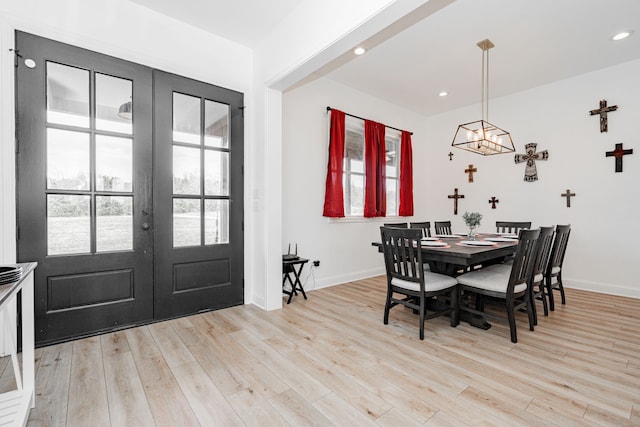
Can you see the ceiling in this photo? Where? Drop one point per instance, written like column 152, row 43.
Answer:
column 537, row 42
column 243, row 21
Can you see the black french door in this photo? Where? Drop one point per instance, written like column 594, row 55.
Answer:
column 198, row 208
column 90, row 163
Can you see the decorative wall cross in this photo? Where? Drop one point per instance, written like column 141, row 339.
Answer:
column 450, row 155
column 493, row 202
column 470, row 170
column 530, row 171
column 568, row 194
column 603, row 110
column 618, row 153
column 455, row 196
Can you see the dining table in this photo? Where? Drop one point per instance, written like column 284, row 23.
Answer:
column 453, row 254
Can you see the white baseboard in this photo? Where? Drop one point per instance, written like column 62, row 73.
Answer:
column 602, row 288
column 310, row 283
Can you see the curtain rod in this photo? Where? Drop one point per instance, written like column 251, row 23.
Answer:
column 357, row 117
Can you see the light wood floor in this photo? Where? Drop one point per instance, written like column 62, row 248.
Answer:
column 330, row 361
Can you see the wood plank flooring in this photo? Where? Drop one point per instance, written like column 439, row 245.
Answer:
column 330, row 361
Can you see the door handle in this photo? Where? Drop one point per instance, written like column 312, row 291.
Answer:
column 146, row 226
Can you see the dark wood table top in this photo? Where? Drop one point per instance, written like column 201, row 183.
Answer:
column 293, row 261
column 448, row 259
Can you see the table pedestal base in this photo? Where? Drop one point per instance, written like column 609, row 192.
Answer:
column 474, row 320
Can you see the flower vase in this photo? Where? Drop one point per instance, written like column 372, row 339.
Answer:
column 472, row 234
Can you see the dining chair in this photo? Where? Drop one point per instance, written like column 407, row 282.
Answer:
column 508, row 282
column 396, row 224
column 442, row 227
column 511, row 226
column 553, row 275
column 424, row 226
column 536, row 285
column 408, row 284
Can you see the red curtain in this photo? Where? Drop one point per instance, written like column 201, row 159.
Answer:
column 406, row 175
column 375, row 191
column 334, row 193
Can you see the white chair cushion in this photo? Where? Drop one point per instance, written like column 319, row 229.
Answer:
column 555, row 270
column 493, row 278
column 506, row 269
column 502, row 268
column 432, row 282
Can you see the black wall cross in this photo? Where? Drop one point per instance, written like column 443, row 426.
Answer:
column 618, row 153
column 455, row 196
column 493, row 202
column 450, row 155
column 603, row 110
column 470, row 170
column 568, row 194
column 530, row 171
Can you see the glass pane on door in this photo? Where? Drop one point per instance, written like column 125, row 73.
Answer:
column 216, row 124
column 68, row 160
column 68, row 224
column 67, row 95
column 114, row 104
column 114, row 163
column 200, row 156
column 216, row 222
column 216, row 173
column 186, row 119
column 114, row 223
column 186, row 170
column 186, row 222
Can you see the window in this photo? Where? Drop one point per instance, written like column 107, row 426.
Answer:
column 353, row 174
column 357, row 179
column 201, row 174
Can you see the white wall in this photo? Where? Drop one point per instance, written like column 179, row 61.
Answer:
column 602, row 253
column 312, row 35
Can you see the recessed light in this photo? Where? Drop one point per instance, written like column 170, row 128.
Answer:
column 443, row 93
column 359, row 50
column 622, row 35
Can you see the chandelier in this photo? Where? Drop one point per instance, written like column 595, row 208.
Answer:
column 482, row 137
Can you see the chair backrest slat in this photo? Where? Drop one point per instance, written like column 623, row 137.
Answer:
column 559, row 246
column 442, row 227
column 396, row 225
column 524, row 259
column 543, row 250
column 402, row 254
column 424, row 226
column 511, row 226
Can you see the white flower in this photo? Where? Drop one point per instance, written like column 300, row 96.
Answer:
column 472, row 219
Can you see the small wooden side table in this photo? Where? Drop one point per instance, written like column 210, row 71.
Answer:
column 288, row 269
